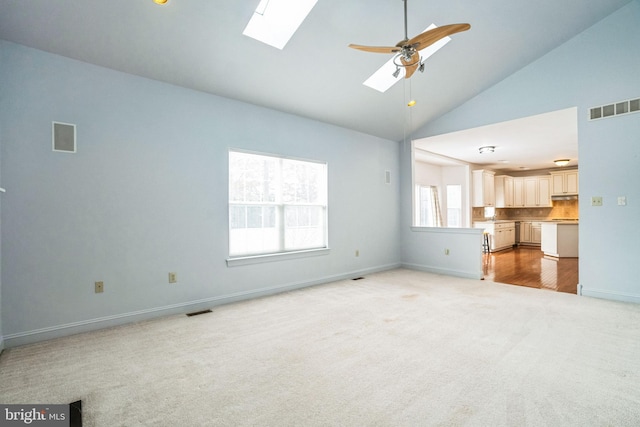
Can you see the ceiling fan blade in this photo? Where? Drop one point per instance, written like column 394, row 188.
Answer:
column 411, row 65
column 376, row 49
column 428, row 38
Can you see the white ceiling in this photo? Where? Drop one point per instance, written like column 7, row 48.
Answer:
column 199, row 44
column 530, row 143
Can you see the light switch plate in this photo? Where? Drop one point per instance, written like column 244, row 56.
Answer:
column 596, row 201
column 622, row 201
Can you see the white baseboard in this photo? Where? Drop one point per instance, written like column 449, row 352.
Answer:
column 444, row 271
column 607, row 294
column 57, row 331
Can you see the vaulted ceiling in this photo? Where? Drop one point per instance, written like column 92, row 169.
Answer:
column 199, row 44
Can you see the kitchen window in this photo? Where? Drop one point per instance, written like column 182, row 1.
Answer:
column 429, row 213
column 454, row 205
column 276, row 204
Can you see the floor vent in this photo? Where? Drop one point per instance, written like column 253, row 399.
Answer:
column 358, row 278
column 615, row 109
column 196, row 313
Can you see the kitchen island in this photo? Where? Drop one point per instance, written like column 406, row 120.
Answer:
column 560, row 239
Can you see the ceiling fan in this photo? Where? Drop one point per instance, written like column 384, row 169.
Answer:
column 407, row 50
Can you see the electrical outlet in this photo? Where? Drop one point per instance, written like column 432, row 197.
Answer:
column 596, row 201
column 622, row 201
column 99, row 286
column 173, row 277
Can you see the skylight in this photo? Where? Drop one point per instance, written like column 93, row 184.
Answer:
column 383, row 79
column 275, row 21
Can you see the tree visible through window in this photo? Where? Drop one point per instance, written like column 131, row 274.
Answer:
column 276, row 204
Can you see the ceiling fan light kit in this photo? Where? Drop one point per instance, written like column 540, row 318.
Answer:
column 407, row 51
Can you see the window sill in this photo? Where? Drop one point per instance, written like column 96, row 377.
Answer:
column 282, row 256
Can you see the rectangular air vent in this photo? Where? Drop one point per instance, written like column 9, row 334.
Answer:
column 64, row 137
column 197, row 313
column 615, row 109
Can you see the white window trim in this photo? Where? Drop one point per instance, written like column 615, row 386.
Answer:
column 278, row 256
column 240, row 260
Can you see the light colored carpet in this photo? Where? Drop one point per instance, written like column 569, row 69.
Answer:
column 399, row 348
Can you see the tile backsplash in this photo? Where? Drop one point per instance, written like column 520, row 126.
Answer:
column 562, row 209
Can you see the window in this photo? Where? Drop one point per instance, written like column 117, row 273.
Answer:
column 276, row 204
column 454, row 205
column 275, row 21
column 428, row 214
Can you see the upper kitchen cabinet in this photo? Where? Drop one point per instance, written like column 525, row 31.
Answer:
column 483, row 188
column 537, row 191
column 504, row 191
column 564, row 182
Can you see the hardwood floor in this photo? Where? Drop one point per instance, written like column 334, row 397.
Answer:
column 527, row 266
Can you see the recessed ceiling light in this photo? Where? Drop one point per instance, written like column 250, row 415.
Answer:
column 387, row 75
column 275, row 21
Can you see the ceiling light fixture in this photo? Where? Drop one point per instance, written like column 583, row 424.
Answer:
column 487, row 149
column 561, row 162
column 160, row 1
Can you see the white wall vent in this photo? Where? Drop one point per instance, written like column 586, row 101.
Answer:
column 615, row 109
column 64, row 137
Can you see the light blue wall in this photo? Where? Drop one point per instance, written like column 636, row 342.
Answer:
column 2, row 108
column 599, row 66
column 146, row 194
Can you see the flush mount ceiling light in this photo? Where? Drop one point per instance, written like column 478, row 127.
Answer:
column 160, row 1
column 562, row 162
column 487, row 149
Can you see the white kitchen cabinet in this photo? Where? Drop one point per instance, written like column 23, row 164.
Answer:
column 518, row 192
column 530, row 232
column 537, row 191
column 564, row 182
column 502, row 235
column 504, row 191
column 483, row 188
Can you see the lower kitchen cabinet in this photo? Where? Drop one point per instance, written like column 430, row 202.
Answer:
column 530, row 232
column 502, row 235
